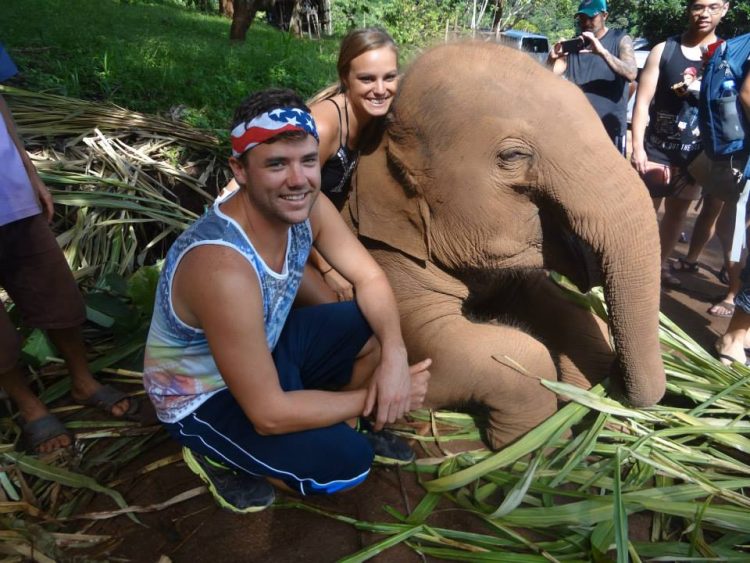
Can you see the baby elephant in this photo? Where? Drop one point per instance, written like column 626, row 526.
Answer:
column 492, row 171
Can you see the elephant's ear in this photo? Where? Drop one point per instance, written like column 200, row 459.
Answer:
column 387, row 207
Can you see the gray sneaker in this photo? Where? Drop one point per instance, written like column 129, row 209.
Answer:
column 236, row 492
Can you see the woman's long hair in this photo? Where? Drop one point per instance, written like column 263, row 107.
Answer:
column 355, row 43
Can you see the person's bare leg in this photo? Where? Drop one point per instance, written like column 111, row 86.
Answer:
column 69, row 342
column 704, row 228
column 675, row 211
column 657, row 203
column 732, row 343
column 725, row 234
column 30, row 407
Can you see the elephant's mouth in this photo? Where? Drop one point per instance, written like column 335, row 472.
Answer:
column 566, row 253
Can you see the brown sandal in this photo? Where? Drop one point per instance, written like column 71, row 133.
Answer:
column 43, row 429
column 684, row 266
column 106, row 397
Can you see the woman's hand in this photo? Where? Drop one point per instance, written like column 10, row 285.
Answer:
column 639, row 159
column 339, row 284
column 419, row 379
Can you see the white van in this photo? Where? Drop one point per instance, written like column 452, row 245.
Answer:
column 536, row 45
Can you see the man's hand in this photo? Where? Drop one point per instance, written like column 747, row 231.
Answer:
column 45, row 199
column 390, row 388
column 593, row 45
column 556, row 52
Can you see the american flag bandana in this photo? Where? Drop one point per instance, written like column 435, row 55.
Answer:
column 267, row 125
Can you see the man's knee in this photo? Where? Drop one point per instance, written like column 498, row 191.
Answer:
column 345, row 465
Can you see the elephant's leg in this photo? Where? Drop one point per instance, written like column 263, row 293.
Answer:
column 578, row 339
column 496, row 365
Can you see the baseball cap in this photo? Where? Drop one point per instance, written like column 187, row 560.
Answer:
column 592, row 7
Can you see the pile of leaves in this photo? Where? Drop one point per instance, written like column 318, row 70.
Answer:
column 566, row 491
column 125, row 185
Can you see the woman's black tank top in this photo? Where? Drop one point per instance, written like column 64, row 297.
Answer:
column 336, row 173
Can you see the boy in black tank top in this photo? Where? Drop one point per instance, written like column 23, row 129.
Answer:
column 664, row 98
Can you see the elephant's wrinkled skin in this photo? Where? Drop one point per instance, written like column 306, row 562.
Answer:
column 487, row 161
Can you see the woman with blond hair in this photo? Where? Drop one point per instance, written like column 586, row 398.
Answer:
column 347, row 114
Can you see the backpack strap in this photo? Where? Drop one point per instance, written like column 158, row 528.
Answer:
column 669, row 48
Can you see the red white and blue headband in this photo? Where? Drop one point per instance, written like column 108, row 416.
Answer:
column 263, row 127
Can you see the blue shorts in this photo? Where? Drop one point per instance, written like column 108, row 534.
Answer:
column 316, row 350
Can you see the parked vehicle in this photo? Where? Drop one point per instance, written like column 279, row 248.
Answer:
column 536, row 45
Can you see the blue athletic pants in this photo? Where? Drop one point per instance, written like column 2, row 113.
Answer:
column 316, row 349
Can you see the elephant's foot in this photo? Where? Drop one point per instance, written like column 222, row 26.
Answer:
column 532, row 404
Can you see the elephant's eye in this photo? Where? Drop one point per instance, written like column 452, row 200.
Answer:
column 512, row 156
column 512, row 152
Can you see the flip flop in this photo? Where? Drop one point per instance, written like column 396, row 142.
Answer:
column 38, row 431
column 731, row 359
column 106, row 397
column 723, row 309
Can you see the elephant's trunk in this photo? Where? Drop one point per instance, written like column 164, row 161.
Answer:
column 616, row 218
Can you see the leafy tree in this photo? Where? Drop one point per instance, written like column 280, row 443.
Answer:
column 658, row 19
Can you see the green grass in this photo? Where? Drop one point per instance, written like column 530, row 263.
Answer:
column 150, row 57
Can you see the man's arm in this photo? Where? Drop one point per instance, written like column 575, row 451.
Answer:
column 624, row 65
column 390, row 383
column 215, row 289
column 644, row 95
column 48, row 206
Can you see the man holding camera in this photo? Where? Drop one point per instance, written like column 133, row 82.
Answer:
column 602, row 62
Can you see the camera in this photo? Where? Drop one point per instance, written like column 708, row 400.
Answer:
column 574, row 45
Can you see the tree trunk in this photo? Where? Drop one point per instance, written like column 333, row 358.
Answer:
column 244, row 14
column 498, row 14
column 325, row 17
column 295, row 21
column 226, row 8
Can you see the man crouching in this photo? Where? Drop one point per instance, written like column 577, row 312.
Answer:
column 241, row 379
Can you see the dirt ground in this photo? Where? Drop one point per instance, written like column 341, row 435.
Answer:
column 197, row 530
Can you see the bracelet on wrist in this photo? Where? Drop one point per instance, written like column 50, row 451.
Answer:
column 328, row 271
